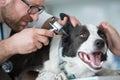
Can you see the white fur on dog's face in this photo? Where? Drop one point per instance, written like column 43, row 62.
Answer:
column 88, row 56
column 88, row 47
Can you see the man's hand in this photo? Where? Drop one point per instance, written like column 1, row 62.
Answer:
column 29, row 40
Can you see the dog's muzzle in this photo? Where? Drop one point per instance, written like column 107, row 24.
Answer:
column 94, row 60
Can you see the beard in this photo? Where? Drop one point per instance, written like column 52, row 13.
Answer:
column 18, row 26
column 15, row 24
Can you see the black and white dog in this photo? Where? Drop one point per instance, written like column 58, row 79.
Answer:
column 79, row 53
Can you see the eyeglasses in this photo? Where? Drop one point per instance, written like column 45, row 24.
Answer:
column 34, row 9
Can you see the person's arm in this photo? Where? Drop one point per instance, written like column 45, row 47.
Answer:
column 24, row 42
column 113, row 37
column 5, row 51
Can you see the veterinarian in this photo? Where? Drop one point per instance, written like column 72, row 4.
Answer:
column 113, row 37
column 17, row 14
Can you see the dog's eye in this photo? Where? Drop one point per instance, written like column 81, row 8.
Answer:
column 83, row 34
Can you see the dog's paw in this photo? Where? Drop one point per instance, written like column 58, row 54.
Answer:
column 46, row 75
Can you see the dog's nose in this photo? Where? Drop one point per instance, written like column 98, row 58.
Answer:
column 99, row 43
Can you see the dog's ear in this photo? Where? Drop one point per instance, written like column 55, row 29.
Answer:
column 62, row 15
column 68, row 26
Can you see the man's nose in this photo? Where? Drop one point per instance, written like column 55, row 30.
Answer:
column 34, row 16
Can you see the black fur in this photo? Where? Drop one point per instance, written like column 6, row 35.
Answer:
column 23, row 62
column 74, row 39
column 71, row 41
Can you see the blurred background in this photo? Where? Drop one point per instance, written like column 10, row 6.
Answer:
column 88, row 12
